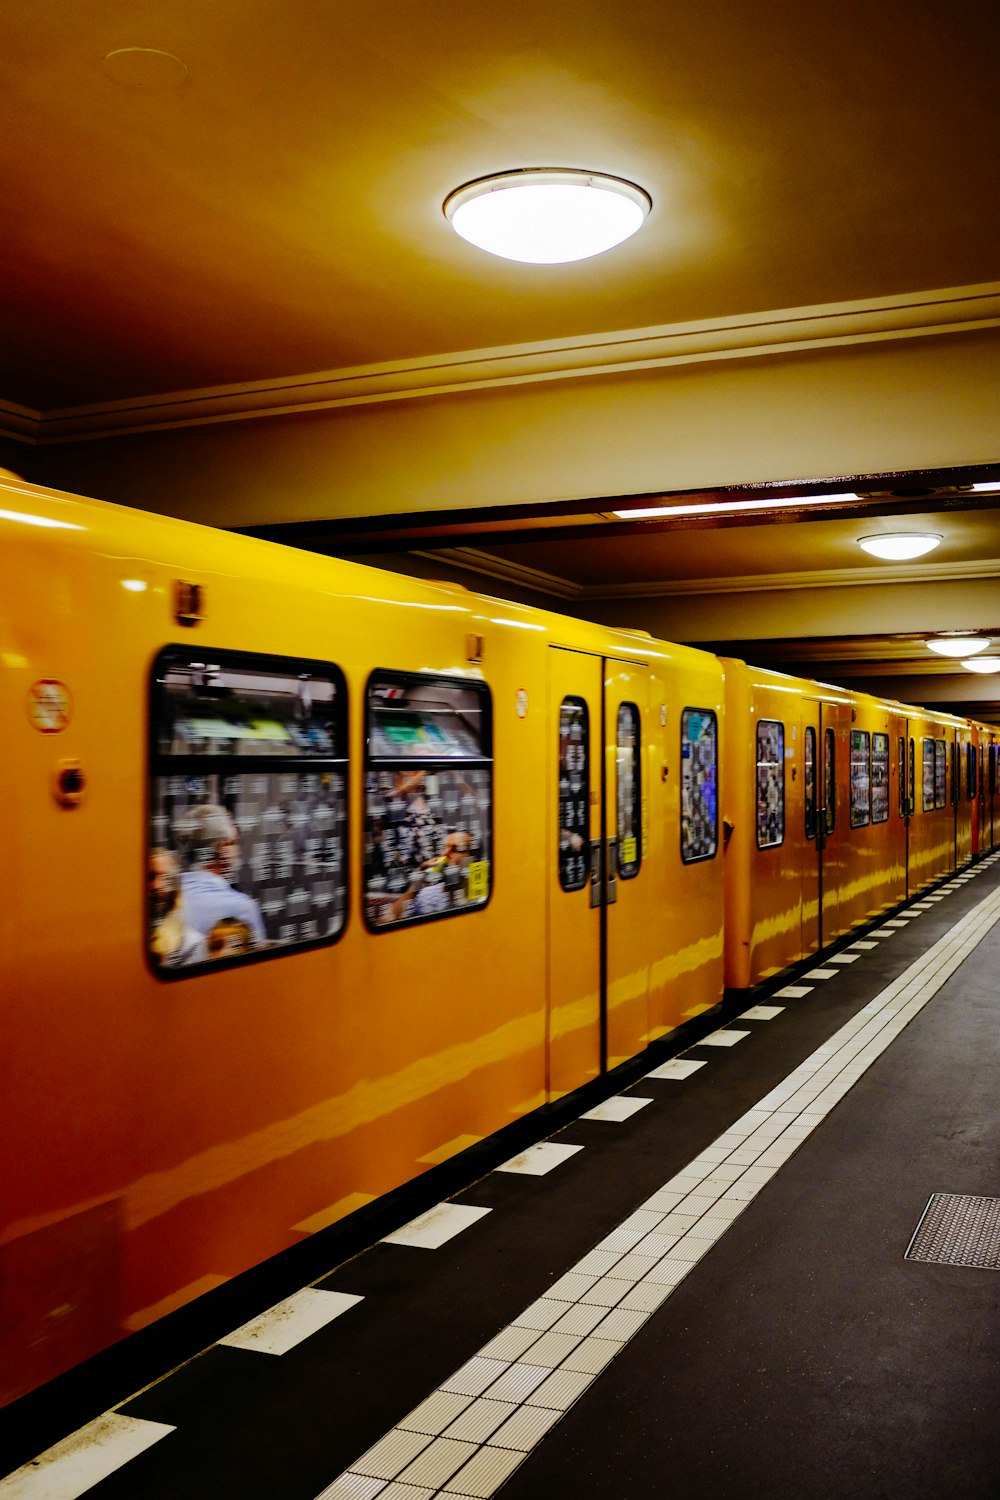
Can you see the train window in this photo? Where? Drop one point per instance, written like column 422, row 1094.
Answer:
column 428, row 798
column 912, row 784
column 628, row 775
column 770, row 783
column 956, row 779
column 830, row 778
column 699, row 785
column 970, row 771
column 994, row 757
column 248, row 808
column 861, row 778
column 928, row 776
column 810, row 781
column 880, row 778
column 574, row 793
column 940, row 773
column 982, row 776
column 903, row 805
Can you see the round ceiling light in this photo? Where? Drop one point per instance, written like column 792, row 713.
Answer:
column 899, row 546
column 547, row 216
column 984, row 664
column 959, row 645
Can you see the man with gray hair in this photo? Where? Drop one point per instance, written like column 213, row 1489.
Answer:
column 229, row 920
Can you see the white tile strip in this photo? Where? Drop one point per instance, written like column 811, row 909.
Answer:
column 794, row 992
column 437, row 1226
column 588, row 1315
column 79, row 1462
column 540, row 1159
column 761, row 1013
column 289, row 1322
column 863, row 947
column 822, row 974
column 620, row 1107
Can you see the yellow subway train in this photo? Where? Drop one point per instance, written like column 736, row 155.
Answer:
column 315, row 876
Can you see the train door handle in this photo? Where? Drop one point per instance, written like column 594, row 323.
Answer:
column 612, row 868
column 596, row 872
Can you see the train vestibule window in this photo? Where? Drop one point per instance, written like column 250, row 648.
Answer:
column 428, row 798
column 770, row 783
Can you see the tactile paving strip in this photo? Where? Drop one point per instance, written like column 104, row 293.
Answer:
column 958, row 1230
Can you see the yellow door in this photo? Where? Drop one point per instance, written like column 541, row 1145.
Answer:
column 627, row 882
column 598, row 982
column 575, row 1013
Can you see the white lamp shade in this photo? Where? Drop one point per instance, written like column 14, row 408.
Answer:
column 547, row 216
column 960, row 645
column 899, row 546
column 982, row 664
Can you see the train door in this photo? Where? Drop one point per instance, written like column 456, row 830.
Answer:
column 834, row 791
column 598, row 710
column 814, row 831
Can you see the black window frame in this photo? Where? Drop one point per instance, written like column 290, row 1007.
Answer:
column 161, row 764
column 629, row 869
column 578, row 702
column 390, row 676
column 780, row 726
column 857, row 821
column 706, row 713
column 879, row 734
column 810, row 799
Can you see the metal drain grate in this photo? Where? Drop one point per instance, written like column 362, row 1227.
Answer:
column 956, row 1230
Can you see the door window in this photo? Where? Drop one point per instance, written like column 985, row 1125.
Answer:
column 699, row 785
column 770, row 783
column 810, row 786
column 880, row 778
column 860, row 778
column 574, row 793
column 628, row 775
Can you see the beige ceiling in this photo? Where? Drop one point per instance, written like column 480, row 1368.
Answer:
column 270, row 206
column 279, row 210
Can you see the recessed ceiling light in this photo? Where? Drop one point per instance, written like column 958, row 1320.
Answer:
column 991, row 484
column 727, row 507
column 547, row 216
column 897, row 546
column 144, row 68
column 959, row 645
column 983, row 664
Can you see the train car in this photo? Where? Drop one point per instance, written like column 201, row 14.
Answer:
column 313, row 876
column 824, row 830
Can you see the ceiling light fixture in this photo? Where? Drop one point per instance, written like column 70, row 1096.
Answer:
column 982, row 664
column 547, row 215
column 727, row 507
column 991, row 484
column 959, row 645
column 899, row 546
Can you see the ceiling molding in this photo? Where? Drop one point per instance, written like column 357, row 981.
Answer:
column 819, row 578
column 787, row 331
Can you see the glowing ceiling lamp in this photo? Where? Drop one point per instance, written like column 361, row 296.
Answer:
column 547, row 216
column 983, row 664
column 959, row 645
column 899, row 546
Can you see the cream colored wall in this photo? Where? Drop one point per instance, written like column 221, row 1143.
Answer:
column 875, row 609
column 921, row 402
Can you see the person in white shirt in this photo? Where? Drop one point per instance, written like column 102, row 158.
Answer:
column 228, row 919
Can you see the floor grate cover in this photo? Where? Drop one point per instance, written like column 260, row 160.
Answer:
column 957, row 1230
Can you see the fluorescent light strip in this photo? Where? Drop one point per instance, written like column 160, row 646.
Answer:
column 728, row 507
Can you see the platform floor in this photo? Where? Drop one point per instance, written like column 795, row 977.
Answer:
column 699, row 1288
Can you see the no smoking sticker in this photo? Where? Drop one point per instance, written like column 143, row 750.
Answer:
column 50, row 706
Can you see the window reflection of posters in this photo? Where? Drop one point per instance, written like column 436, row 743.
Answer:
column 248, row 807
column 880, row 778
column 574, row 794
column 427, row 826
column 940, row 773
column 699, row 785
column 830, row 778
column 770, row 783
column 629, row 790
column 928, row 776
column 810, row 781
column 426, row 840
column 860, row 778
